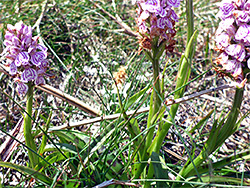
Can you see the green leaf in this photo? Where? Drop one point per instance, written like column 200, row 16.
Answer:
column 29, row 171
column 52, row 158
column 75, row 137
column 45, row 136
column 223, row 179
column 135, row 97
column 201, row 122
column 62, row 146
column 150, row 114
column 183, row 76
column 133, row 127
column 159, row 172
column 245, row 155
column 237, row 125
column 158, row 116
column 231, row 121
column 212, row 139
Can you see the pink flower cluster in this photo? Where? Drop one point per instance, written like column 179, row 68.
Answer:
column 26, row 58
column 157, row 18
column 233, row 38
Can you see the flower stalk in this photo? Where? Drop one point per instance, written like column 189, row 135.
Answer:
column 183, row 76
column 27, row 128
column 156, row 21
column 156, row 102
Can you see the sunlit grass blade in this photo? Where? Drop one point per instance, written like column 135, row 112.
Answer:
column 29, row 171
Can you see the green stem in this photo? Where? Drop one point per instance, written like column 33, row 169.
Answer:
column 190, row 18
column 183, row 76
column 157, row 91
column 29, row 139
column 156, row 103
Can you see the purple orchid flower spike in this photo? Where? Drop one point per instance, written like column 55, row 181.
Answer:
column 156, row 18
column 233, row 38
column 25, row 57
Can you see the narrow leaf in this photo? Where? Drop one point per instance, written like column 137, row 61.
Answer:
column 29, row 171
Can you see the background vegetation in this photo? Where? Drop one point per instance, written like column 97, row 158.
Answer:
column 86, row 46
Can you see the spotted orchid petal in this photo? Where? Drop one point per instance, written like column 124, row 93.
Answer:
column 22, row 88
column 241, row 16
column 226, row 9
column 19, row 27
column 15, row 41
column 7, row 43
column 151, row 6
column 163, row 3
column 22, row 59
column 161, row 23
column 14, row 50
column 174, row 3
column 13, row 69
column 28, row 74
column 144, row 15
column 42, row 47
column 38, row 57
column 162, row 12
column 11, row 28
column 223, row 58
column 247, row 6
column 27, row 30
column 174, row 16
column 240, row 3
column 143, row 28
column 40, row 80
column 237, row 51
column 237, row 71
column 44, row 64
column 169, row 24
column 242, row 32
column 26, row 40
column 222, row 40
column 230, row 65
column 8, row 35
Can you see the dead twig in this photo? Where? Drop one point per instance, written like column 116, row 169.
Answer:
column 9, row 145
column 168, row 102
column 68, row 98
